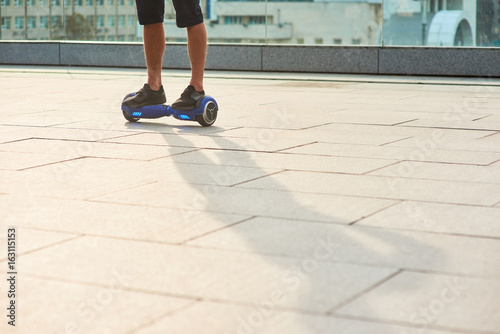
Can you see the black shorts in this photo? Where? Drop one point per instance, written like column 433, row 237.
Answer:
column 187, row 12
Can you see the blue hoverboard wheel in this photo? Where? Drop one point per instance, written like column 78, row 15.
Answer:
column 209, row 114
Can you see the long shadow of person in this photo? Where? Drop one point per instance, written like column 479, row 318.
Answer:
column 307, row 257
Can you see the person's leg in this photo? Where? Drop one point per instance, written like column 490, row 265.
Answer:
column 189, row 15
column 197, row 51
column 150, row 14
column 154, row 47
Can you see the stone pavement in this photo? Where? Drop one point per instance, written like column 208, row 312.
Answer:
column 315, row 204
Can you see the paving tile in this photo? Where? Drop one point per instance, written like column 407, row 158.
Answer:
column 215, row 142
column 65, row 180
column 252, row 202
column 200, row 273
column 43, row 118
column 28, row 240
column 361, row 244
column 264, row 319
column 437, row 171
column 405, row 131
column 18, row 161
column 47, row 307
column 440, row 218
column 147, row 223
column 72, row 149
column 13, row 133
column 286, row 161
column 398, row 153
column 432, row 301
column 455, row 124
column 381, row 187
column 373, row 117
column 261, row 137
column 462, row 145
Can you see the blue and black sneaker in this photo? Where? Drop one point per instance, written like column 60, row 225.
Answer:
column 188, row 99
column 145, row 97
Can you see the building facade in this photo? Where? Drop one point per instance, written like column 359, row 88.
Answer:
column 101, row 20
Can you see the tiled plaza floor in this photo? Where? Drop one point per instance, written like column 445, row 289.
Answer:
column 315, row 204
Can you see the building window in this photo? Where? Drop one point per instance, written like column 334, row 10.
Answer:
column 56, row 2
column 42, row 3
column 232, row 19
column 121, row 38
column 131, row 38
column 18, row 3
column 100, row 2
column 5, row 3
column 89, row 3
column 56, row 21
column 337, row 41
column 130, row 2
column 111, row 38
column 100, row 21
column 111, row 2
column 19, row 23
column 6, row 23
column 30, row 3
column 111, row 21
column 31, row 22
column 356, row 41
column 121, row 20
column 44, row 21
column 121, row 3
column 257, row 20
column 131, row 20
column 78, row 2
column 318, row 40
column 90, row 20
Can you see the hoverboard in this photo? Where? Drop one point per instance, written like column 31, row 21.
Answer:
column 204, row 111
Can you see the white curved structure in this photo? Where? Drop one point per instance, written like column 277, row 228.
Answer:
column 451, row 28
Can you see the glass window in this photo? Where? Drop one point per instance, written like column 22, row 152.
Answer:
column 131, row 20
column 90, row 20
column 56, row 2
column 44, row 21
column 100, row 2
column 78, row 2
column 18, row 3
column 111, row 21
column 19, row 23
column 56, row 21
column 5, row 3
column 31, row 22
column 100, row 21
column 89, row 3
column 121, row 20
column 30, row 3
column 111, row 2
column 6, row 23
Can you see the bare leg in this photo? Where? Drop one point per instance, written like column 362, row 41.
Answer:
column 154, row 47
column 197, row 50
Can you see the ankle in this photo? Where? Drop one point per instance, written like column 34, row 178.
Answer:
column 155, row 86
column 197, row 86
